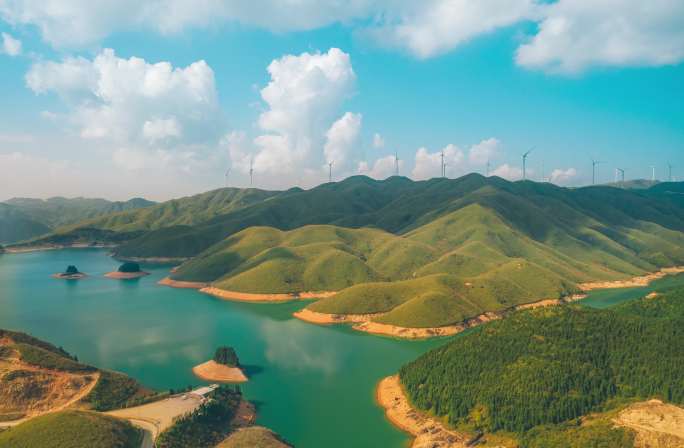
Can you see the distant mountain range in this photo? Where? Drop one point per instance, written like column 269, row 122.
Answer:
column 26, row 218
column 417, row 254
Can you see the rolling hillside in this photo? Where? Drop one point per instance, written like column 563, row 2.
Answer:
column 24, row 218
column 493, row 252
column 538, row 372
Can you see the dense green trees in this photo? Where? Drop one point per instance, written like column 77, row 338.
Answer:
column 71, row 269
column 129, row 267
column 226, row 355
column 552, row 365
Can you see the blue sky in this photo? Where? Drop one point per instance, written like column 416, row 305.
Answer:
column 479, row 84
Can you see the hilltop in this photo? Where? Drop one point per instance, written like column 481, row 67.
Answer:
column 25, row 218
column 537, row 374
column 472, row 246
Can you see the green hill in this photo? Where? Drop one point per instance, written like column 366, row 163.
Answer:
column 18, row 392
column 24, row 218
column 253, row 437
column 481, row 257
column 535, row 373
column 72, row 429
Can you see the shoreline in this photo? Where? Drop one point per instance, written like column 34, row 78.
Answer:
column 62, row 276
column 213, row 371
column 427, row 432
column 152, row 260
column 126, row 275
column 225, row 294
column 167, row 281
column 634, row 282
column 363, row 322
column 28, row 249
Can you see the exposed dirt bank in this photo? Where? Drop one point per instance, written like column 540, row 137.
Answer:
column 153, row 260
column 365, row 323
column 428, row 432
column 213, row 371
column 24, row 249
column 126, row 275
column 167, row 281
column 657, row 425
column 63, row 276
column 633, row 282
column 249, row 297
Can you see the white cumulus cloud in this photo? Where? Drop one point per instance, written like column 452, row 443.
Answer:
column 135, row 104
column 341, row 139
column 378, row 141
column 428, row 165
column 509, row 172
column 10, row 45
column 484, row 151
column 577, row 34
column 561, row 176
column 382, row 168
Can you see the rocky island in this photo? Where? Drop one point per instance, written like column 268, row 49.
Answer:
column 224, row 367
column 127, row 270
column 71, row 273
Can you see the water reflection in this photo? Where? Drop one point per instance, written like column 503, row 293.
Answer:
column 290, row 345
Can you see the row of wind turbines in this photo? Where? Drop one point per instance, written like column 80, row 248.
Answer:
column 595, row 164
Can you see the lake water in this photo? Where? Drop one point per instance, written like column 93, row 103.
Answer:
column 313, row 385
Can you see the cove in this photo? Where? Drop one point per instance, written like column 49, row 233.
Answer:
column 313, row 385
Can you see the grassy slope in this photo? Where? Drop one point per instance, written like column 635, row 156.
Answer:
column 72, row 429
column 17, row 226
column 537, row 372
column 113, row 389
column 419, row 278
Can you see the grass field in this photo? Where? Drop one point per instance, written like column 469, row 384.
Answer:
column 72, row 429
column 253, row 437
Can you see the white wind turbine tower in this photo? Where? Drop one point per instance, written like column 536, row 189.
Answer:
column 227, row 174
column 669, row 171
column 396, row 163
column 251, row 171
column 622, row 174
column 330, row 164
column 524, row 162
column 487, row 166
column 652, row 174
column 443, row 167
column 594, row 165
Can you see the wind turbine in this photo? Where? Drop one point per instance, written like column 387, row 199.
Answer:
column 669, row 170
column 594, row 164
column 396, row 163
column 622, row 173
column 227, row 174
column 524, row 160
column 487, row 168
column 330, row 164
column 443, row 170
column 251, row 171
column 652, row 174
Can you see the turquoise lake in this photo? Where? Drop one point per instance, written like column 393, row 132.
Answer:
column 313, row 385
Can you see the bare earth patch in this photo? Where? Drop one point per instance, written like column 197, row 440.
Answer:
column 642, row 280
column 657, row 424
column 249, row 297
column 428, row 432
column 167, row 281
column 213, row 371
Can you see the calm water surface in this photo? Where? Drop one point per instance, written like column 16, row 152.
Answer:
column 313, row 385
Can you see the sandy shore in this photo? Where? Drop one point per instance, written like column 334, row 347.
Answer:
column 25, row 249
column 213, row 371
column 153, row 260
column 364, row 322
column 249, row 297
column 126, row 275
column 428, row 432
column 656, row 424
column 167, row 281
column 633, row 282
column 63, row 276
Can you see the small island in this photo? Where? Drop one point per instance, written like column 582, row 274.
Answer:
column 71, row 273
column 127, row 270
column 224, row 368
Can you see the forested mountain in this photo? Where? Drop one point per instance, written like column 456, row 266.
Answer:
column 547, row 367
column 26, row 218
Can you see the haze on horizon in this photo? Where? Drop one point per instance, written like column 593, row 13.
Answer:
column 136, row 100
